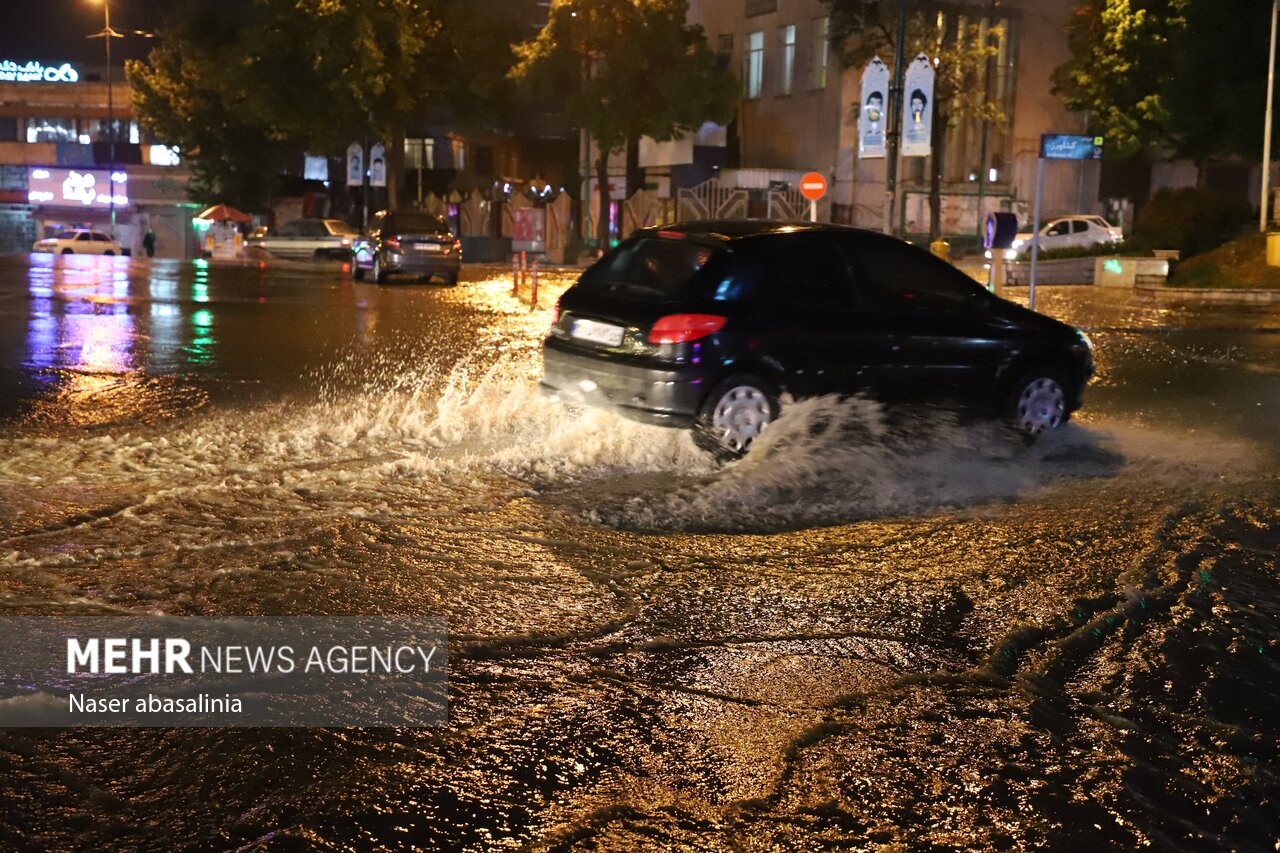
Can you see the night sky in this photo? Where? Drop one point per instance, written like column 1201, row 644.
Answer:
column 55, row 30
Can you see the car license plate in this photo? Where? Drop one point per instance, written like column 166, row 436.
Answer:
column 598, row 333
column 427, row 247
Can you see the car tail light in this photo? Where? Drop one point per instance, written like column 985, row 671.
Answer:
column 457, row 246
column 393, row 242
column 679, row 328
column 346, row 241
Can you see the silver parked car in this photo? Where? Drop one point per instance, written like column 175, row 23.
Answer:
column 1065, row 232
column 306, row 239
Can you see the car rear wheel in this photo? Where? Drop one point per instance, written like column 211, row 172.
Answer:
column 1038, row 403
column 108, row 252
column 735, row 414
column 450, row 279
column 68, row 252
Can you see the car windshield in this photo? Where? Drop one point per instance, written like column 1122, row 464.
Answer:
column 658, row 266
column 415, row 222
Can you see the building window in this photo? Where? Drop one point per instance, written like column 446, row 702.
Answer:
column 420, row 154
column 724, row 50
column 754, row 61
column 820, row 54
column 51, row 130
column 787, row 54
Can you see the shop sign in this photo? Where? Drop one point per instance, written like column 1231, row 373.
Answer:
column 35, row 72
column 77, row 188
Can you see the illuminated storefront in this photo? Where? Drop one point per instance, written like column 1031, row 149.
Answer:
column 69, row 154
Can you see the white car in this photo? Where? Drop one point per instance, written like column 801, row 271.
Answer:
column 1067, row 232
column 81, row 241
column 308, row 238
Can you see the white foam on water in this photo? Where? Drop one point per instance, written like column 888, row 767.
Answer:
column 417, row 440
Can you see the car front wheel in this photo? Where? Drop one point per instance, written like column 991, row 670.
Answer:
column 735, row 414
column 1038, row 403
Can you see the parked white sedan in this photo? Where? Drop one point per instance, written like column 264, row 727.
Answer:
column 81, row 241
column 1069, row 231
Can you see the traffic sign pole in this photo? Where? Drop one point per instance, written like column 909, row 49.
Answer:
column 1035, row 235
column 813, row 186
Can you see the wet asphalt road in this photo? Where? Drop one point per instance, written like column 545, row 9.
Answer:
column 875, row 637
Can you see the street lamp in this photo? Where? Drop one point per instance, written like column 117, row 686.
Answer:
column 1266, row 137
column 107, row 35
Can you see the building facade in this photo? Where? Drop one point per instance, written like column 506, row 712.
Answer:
column 72, row 156
column 799, row 112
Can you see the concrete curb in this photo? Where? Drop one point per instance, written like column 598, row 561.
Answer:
column 1209, row 294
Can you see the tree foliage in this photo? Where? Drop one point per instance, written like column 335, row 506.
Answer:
column 242, row 85
column 624, row 69
column 1187, row 75
column 961, row 54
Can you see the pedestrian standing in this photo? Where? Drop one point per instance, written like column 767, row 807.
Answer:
column 149, row 243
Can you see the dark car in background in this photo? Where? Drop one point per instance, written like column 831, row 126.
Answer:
column 709, row 324
column 307, row 239
column 407, row 242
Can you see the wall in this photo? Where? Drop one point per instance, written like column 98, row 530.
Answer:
column 817, row 130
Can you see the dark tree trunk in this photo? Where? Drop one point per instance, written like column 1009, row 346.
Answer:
column 634, row 180
column 937, row 164
column 602, row 179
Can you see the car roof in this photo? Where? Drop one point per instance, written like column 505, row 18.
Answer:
column 733, row 230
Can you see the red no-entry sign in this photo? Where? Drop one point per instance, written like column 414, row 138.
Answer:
column 813, row 186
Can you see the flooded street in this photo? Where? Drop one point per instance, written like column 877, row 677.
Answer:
column 870, row 634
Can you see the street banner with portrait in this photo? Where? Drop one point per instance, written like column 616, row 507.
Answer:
column 355, row 165
column 917, row 108
column 377, row 165
column 873, row 115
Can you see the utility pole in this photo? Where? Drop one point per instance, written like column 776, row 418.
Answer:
column 986, row 123
column 107, row 35
column 895, row 120
column 1266, row 134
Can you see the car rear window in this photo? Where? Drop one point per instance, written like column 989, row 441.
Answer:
column 656, row 266
column 415, row 222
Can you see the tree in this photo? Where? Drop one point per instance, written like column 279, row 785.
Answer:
column 961, row 56
column 626, row 69
column 1184, row 75
column 1120, row 54
column 243, row 84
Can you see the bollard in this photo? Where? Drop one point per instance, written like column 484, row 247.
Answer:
column 524, row 269
column 515, row 273
column 533, row 297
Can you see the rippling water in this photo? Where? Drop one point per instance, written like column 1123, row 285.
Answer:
column 874, row 633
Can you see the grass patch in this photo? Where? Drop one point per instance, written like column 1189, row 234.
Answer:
column 1238, row 265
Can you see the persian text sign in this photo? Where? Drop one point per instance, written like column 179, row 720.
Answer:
column 35, row 72
column 77, row 187
column 185, row 671
column 529, row 229
column 1067, row 146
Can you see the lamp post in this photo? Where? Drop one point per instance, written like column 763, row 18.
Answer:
column 1266, row 135
column 107, row 35
column 895, row 121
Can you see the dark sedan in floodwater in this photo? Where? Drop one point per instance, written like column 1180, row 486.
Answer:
column 407, row 242
column 710, row 324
